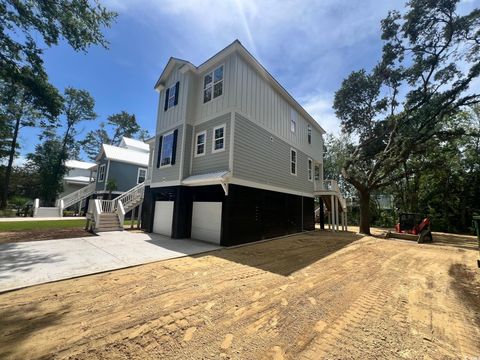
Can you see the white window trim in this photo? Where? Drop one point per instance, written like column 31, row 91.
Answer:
column 296, row 161
column 213, row 82
column 174, row 86
column 99, row 172
column 161, row 150
column 138, row 174
column 195, row 154
column 310, row 169
column 224, row 126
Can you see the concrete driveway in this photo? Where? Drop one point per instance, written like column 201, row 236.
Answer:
column 30, row 263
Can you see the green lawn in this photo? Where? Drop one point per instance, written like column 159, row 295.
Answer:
column 41, row 225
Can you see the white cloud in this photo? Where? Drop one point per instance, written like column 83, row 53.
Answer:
column 320, row 107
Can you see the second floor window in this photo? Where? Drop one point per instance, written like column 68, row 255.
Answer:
column 309, row 134
column 101, row 173
column 218, row 139
column 167, row 150
column 200, row 143
column 213, row 84
column 171, row 96
column 293, row 162
column 141, row 176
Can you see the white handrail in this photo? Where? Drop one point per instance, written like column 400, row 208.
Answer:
column 76, row 196
column 131, row 198
column 121, row 213
column 107, row 206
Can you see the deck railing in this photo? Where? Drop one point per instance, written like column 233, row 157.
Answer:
column 131, row 198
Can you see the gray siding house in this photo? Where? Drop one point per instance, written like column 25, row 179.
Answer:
column 236, row 158
column 126, row 165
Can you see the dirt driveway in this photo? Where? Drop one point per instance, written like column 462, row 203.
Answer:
column 310, row 296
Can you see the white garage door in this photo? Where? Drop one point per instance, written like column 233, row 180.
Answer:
column 207, row 221
column 163, row 217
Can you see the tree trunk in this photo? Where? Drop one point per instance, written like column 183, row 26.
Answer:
column 8, row 170
column 365, row 212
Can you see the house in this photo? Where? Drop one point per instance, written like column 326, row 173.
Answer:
column 79, row 174
column 126, row 165
column 236, row 158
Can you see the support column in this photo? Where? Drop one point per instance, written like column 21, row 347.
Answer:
column 139, row 217
column 322, row 214
column 337, row 222
column 346, row 221
column 332, row 201
column 132, row 217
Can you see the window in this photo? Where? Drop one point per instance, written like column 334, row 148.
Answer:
column 200, row 143
column 310, row 170
column 309, row 134
column 167, row 150
column 171, row 96
column 293, row 121
column 218, row 143
column 141, row 175
column 213, row 84
column 101, row 173
column 293, row 162
column 317, row 172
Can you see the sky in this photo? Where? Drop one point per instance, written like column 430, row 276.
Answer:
column 308, row 46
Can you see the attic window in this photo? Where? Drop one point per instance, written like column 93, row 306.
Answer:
column 293, row 121
column 171, row 96
column 309, row 134
column 213, row 84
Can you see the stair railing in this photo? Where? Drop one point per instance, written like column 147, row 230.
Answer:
column 76, row 196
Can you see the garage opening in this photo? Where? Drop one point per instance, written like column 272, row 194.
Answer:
column 207, row 221
column 163, row 218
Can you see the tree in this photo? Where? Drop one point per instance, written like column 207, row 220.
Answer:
column 17, row 110
column 50, row 156
column 121, row 124
column 45, row 160
column 111, row 187
column 421, row 51
column 28, row 26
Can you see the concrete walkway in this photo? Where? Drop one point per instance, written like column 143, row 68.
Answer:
column 36, row 262
column 10, row 219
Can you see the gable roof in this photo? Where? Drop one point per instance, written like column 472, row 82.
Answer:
column 124, row 155
column 236, row 46
column 134, row 144
column 76, row 164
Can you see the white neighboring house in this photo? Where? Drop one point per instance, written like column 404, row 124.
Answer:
column 79, row 175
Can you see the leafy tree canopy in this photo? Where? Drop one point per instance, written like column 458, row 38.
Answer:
column 119, row 125
column 26, row 27
column 430, row 57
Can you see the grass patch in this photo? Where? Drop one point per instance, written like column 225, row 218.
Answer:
column 40, row 225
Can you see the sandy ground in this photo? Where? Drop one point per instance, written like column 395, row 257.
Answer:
column 310, row 296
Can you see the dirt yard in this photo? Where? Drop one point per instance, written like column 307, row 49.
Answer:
column 311, row 296
column 37, row 235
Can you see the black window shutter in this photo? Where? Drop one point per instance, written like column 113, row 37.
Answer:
column 165, row 107
column 177, row 86
column 174, row 146
column 159, row 150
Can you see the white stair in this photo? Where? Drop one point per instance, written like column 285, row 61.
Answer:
column 48, row 212
column 76, row 196
column 109, row 222
column 108, row 215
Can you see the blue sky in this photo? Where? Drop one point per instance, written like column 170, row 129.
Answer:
column 308, row 46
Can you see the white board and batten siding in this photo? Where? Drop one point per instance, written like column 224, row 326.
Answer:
column 257, row 100
column 207, row 221
column 163, row 218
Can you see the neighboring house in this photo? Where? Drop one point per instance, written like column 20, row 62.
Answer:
column 126, row 165
column 79, row 175
column 236, row 158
